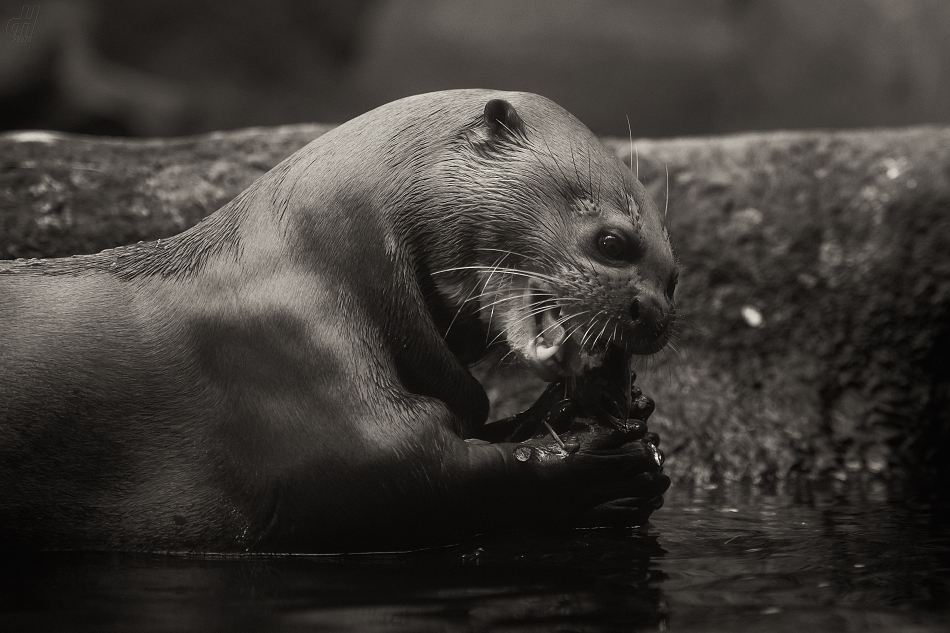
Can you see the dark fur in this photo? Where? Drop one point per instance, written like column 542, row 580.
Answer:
column 276, row 377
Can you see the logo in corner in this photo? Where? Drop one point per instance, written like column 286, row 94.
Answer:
column 21, row 28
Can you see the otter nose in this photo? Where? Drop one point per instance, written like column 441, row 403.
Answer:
column 648, row 314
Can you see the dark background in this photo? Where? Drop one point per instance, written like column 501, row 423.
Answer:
column 675, row 67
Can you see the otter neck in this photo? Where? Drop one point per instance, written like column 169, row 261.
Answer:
column 456, row 317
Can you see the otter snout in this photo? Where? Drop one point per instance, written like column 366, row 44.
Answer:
column 652, row 322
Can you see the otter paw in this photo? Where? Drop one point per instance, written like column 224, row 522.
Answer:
column 595, row 450
column 588, row 435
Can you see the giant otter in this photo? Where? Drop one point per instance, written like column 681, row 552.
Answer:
column 291, row 373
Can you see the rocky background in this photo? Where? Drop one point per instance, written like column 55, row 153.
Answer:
column 814, row 296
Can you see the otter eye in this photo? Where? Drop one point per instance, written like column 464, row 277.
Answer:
column 611, row 245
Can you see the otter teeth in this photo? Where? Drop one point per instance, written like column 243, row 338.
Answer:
column 551, row 337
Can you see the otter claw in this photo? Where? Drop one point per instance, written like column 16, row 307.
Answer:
column 636, row 429
column 642, row 407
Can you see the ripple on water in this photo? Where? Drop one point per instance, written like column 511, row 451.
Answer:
column 830, row 564
column 710, row 561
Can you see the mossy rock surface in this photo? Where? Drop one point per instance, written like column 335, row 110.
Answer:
column 814, row 295
column 63, row 194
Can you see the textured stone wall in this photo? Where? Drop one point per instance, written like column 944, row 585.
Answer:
column 814, row 298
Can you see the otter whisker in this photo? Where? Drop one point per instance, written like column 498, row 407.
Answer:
column 455, row 316
column 556, row 163
column 569, row 317
column 545, row 258
column 540, row 257
column 688, row 324
column 599, row 339
column 577, row 328
column 495, row 340
column 464, row 301
column 486, row 249
column 602, row 330
column 485, row 288
column 494, row 268
column 514, row 358
column 600, row 183
column 484, row 292
column 544, row 304
column 674, row 349
column 577, row 173
column 630, row 135
column 534, row 307
column 468, row 297
column 590, row 172
column 549, row 299
column 537, row 309
column 560, row 322
column 533, row 313
column 666, row 206
column 512, row 271
column 498, row 297
column 593, row 324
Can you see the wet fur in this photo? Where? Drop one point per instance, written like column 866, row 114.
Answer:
column 276, row 378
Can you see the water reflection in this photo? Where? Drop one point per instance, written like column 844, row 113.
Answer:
column 711, row 561
column 829, row 561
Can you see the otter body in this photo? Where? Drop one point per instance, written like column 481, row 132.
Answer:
column 290, row 374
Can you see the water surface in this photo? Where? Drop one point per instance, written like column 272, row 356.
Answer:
column 710, row 560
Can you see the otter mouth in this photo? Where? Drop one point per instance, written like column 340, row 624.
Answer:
column 547, row 345
column 548, row 342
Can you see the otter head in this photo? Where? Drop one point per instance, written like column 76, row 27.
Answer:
column 561, row 252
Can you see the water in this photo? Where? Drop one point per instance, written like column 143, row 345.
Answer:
column 710, row 561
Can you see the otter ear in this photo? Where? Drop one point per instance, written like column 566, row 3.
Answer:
column 502, row 120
